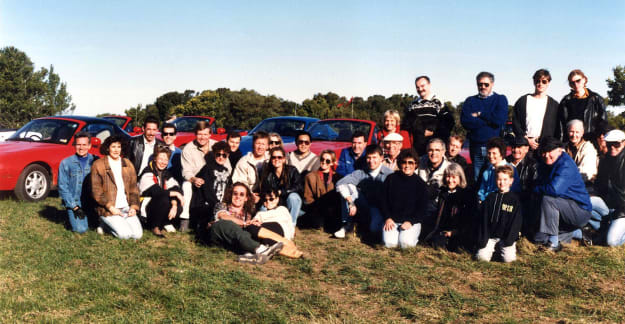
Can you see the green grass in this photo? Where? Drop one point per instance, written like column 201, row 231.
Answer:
column 49, row 274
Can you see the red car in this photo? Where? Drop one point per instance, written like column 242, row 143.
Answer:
column 186, row 124
column 126, row 123
column 30, row 158
column 336, row 134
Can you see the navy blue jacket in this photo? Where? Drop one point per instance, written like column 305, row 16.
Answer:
column 562, row 180
column 493, row 115
column 349, row 162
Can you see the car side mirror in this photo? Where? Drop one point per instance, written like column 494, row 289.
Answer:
column 221, row 130
column 95, row 142
column 136, row 129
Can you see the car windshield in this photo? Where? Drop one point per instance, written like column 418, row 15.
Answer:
column 187, row 124
column 117, row 120
column 337, row 130
column 46, row 130
column 284, row 127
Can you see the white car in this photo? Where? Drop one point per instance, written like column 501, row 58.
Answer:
column 6, row 133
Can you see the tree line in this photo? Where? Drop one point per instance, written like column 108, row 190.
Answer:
column 26, row 93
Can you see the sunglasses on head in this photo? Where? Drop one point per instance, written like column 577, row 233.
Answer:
column 169, row 133
column 303, row 142
column 274, row 142
column 483, row 85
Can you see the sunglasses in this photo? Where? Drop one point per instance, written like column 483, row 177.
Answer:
column 408, row 162
column 572, row 82
column 239, row 194
column 275, row 142
column 222, row 155
column 326, row 161
column 169, row 134
column 303, row 142
column 483, row 85
column 270, row 198
column 543, row 81
column 614, row 144
column 277, row 157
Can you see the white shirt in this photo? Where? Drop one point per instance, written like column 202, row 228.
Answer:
column 120, row 199
column 534, row 115
column 148, row 150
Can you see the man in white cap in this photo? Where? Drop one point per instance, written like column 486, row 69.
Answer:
column 610, row 185
column 392, row 147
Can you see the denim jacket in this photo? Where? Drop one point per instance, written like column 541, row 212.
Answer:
column 71, row 178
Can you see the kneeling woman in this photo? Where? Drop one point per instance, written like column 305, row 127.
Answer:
column 114, row 188
column 404, row 203
column 234, row 228
column 166, row 195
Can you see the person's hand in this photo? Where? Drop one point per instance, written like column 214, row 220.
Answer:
column 389, row 225
column 406, row 225
column 532, row 142
column 176, row 194
column 198, row 182
column 446, row 233
column 132, row 212
column 115, row 211
column 255, row 222
column 172, row 212
column 428, row 132
column 476, row 114
column 256, row 198
column 352, row 210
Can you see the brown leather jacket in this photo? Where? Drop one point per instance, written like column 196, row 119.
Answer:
column 315, row 188
column 104, row 189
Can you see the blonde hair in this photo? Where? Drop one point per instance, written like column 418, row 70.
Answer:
column 332, row 154
column 507, row 169
column 454, row 169
column 392, row 113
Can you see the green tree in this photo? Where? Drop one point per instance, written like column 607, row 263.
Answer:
column 25, row 93
column 165, row 103
column 616, row 94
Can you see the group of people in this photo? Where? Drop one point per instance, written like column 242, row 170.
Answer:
column 563, row 179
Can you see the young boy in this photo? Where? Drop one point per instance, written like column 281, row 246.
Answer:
column 501, row 219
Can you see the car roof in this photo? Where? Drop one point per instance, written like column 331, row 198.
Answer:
column 86, row 119
column 302, row 118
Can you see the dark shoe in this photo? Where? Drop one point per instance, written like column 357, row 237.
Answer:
column 587, row 235
column 550, row 248
column 157, row 232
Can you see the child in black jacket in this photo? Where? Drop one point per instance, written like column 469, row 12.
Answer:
column 501, row 219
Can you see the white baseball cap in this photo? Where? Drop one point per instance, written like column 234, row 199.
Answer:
column 615, row 135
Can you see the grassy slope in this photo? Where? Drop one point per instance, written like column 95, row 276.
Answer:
column 48, row 273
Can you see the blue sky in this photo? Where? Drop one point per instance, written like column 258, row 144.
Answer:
column 117, row 54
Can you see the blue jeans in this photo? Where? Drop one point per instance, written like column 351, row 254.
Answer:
column 599, row 210
column 477, row 152
column 363, row 207
column 556, row 210
column 616, row 233
column 294, row 205
column 78, row 225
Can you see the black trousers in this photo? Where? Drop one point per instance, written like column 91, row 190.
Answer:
column 158, row 211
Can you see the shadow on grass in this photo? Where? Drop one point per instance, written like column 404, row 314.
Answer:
column 54, row 215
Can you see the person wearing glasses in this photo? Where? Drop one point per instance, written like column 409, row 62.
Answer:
column 166, row 200
column 483, row 116
column 582, row 104
column 404, row 203
column 275, row 140
column 610, row 185
column 431, row 169
column 216, row 176
column 142, row 147
column 284, row 177
column 320, row 198
column 169, row 135
column 536, row 114
column 302, row 158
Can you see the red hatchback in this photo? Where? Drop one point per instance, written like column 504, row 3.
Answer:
column 186, row 124
column 30, row 158
column 336, row 134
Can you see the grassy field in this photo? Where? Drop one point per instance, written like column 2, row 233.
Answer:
column 49, row 274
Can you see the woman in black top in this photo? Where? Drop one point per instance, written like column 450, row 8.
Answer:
column 582, row 104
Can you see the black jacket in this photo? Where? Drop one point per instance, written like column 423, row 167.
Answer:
column 405, row 198
column 234, row 158
column 216, row 178
column 527, row 171
column 136, row 151
column 156, row 191
column 422, row 115
column 551, row 124
column 593, row 114
column 610, row 182
column 270, row 180
column 501, row 218
column 455, row 212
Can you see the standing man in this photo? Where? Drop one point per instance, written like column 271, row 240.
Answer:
column 142, row 147
column 427, row 117
column 234, row 140
column 192, row 161
column 536, row 114
column 169, row 134
column 352, row 158
column 249, row 167
column 72, row 173
column 564, row 197
column 483, row 116
column 302, row 158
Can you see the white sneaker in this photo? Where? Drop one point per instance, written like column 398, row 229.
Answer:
column 99, row 230
column 340, row 233
column 169, row 228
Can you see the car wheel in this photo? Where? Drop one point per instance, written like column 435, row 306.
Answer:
column 33, row 184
